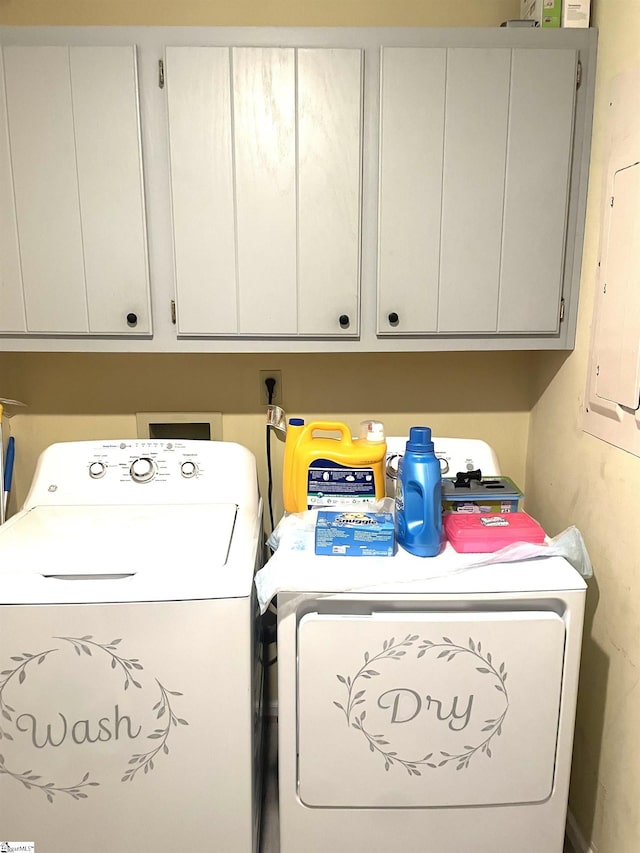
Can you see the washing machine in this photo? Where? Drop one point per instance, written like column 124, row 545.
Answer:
column 429, row 715
column 130, row 655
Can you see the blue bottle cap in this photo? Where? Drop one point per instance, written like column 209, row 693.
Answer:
column 420, row 439
column 296, row 422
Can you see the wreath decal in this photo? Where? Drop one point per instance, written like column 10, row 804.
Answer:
column 86, row 645
column 394, row 650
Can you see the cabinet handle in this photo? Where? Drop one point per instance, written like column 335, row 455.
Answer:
column 393, row 319
column 343, row 319
column 132, row 319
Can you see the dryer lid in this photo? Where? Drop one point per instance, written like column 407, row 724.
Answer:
column 166, row 546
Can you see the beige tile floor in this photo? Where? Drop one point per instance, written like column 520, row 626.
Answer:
column 270, row 840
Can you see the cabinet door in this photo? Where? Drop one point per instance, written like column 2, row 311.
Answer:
column 45, row 180
column 202, row 189
column 476, row 107
column 539, row 147
column 329, row 175
column 475, row 165
column 12, row 316
column 412, row 151
column 72, row 131
column 264, row 96
column 265, row 144
column 111, row 192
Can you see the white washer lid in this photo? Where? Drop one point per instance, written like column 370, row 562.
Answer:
column 160, row 552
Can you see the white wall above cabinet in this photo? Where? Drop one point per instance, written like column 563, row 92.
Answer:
column 265, row 149
column 318, row 189
column 73, row 225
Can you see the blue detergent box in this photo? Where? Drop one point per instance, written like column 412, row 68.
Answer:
column 355, row 534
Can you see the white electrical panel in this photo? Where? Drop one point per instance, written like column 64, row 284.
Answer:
column 618, row 333
column 612, row 407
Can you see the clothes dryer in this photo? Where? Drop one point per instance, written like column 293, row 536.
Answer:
column 428, row 716
column 130, row 655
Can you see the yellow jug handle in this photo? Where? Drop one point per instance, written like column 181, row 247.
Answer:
column 330, row 426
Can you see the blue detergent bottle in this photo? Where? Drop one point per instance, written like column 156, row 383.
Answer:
column 419, row 496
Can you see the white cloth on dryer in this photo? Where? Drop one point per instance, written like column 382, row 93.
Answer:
column 295, row 566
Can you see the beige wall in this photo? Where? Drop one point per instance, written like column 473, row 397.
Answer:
column 574, row 478
column 72, row 397
column 353, row 13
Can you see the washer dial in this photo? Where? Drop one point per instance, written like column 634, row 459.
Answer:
column 142, row 469
column 188, row 469
column 97, row 470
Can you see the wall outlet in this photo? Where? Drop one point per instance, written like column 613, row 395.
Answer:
column 277, row 391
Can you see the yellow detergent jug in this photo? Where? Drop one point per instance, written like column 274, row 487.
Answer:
column 322, row 470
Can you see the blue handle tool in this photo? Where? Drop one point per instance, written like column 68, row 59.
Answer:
column 8, row 468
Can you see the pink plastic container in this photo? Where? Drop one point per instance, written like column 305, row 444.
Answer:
column 482, row 533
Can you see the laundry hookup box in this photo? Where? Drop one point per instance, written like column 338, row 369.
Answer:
column 354, row 534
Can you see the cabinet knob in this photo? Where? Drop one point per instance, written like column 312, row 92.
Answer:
column 393, row 319
column 132, row 319
column 343, row 319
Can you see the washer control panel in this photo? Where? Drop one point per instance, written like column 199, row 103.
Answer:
column 137, row 471
column 145, row 461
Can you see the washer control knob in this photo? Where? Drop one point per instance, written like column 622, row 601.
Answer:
column 97, row 470
column 188, row 469
column 142, row 469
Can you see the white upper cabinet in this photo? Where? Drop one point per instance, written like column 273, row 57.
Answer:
column 475, row 166
column 12, row 316
column 412, row 155
column 202, row 190
column 264, row 98
column 329, row 190
column 265, row 154
column 537, row 177
column 73, row 257
column 344, row 189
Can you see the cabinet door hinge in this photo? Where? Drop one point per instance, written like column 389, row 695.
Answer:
column 562, row 309
column 161, row 74
column 173, row 311
column 578, row 74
